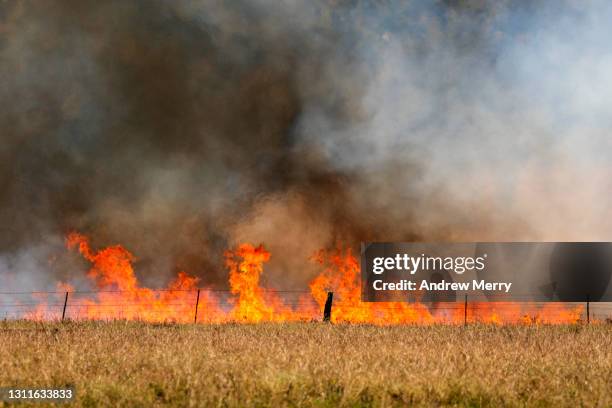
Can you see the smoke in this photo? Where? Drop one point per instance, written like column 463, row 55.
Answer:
column 178, row 129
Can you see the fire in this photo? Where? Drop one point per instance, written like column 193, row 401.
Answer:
column 252, row 303
column 119, row 295
column 341, row 275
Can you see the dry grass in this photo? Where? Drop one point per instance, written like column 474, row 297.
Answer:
column 137, row 364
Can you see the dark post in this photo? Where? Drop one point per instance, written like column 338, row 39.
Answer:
column 195, row 319
column 65, row 303
column 465, row 311
column 328, row 307
column 588, row 310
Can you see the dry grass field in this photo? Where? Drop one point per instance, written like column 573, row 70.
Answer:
column 320, row 365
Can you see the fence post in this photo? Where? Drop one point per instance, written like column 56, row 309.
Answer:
column 195, row 319
column 328, row 307
column 465, row 311
column 588, row 310
column 65, row 304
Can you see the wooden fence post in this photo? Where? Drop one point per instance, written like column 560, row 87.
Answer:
column 65, row 304
column 328, row 307
column 195, row 319
column 588, row 310
column 465, row 311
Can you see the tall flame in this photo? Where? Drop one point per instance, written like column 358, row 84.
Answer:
column 120, row 296
column 252, row 303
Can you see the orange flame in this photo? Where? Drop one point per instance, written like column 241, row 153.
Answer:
column 253, row 304
column 119, row 295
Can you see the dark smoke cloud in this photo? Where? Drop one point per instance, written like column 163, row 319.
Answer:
column 178, row 129
column 156, row 124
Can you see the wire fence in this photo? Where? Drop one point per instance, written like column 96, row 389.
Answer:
column 219, row 305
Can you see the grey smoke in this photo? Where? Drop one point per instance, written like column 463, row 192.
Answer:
column 178, row 129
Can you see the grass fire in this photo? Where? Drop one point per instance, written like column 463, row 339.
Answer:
column 193, row 194
column 118, row 295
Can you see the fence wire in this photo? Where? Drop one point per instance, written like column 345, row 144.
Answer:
column 210, row 305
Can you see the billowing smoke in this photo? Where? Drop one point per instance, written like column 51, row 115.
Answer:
column 179, row 128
